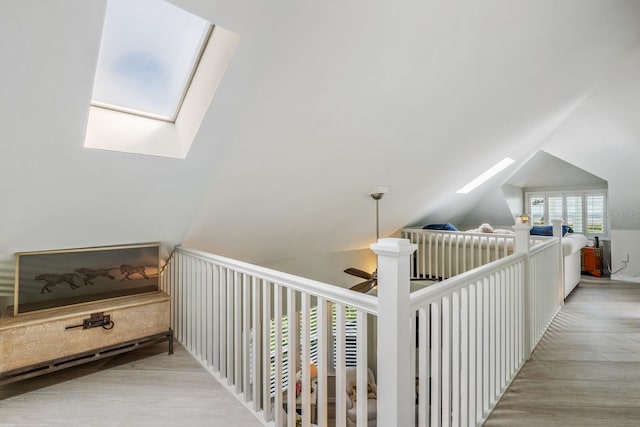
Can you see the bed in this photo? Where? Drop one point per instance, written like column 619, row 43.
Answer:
column 572, row 243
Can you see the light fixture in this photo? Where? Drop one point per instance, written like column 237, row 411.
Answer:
column 486, row 175
column 376, row 194
column 371, row 279
column 522, row 219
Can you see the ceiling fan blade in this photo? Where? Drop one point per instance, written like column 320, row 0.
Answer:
column 359, row 273
column 364, row 287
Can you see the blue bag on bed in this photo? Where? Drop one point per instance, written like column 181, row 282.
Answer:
column 447, row 227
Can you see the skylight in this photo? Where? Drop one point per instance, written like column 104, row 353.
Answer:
column 486, row 175
column 148, row 55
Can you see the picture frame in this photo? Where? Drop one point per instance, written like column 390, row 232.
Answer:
column 45, row 280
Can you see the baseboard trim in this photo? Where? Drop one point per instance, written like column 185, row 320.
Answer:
column 634, row 279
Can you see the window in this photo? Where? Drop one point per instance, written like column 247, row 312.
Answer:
column 584, row 211
column 596, row 214
column 536, row 210
column 313, row 350
column 555, row 208
column 575, row 212
column 350, row 334
column 285, row 353
column 485, row 176
column 148, row 54
column 350, row 344
column 158, row 71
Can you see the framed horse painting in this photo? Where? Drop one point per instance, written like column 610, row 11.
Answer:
column 50, row 279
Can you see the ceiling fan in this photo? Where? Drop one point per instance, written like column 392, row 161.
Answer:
column 371, row 279
column 370, row 282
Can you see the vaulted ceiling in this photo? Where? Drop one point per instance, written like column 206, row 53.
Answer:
column 321, row 102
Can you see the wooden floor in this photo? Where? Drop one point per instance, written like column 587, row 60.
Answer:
column 586, row 369
column 585, row 372
column 146, row 387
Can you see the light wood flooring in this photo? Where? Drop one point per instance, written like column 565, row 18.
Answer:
column 585, row 372
column 146, row 387
column 586, row 369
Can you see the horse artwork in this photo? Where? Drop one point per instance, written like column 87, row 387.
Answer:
column 89, row 274
column 128, row 270
column 93, row 274
column 54, row 279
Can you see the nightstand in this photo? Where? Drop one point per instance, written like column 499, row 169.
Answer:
column 591, row 261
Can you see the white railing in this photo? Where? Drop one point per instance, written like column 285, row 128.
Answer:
column 470, row 331
column 546, row 290
column 442, row 254
column 453, row 347
column 475, row 331
column 225, row 313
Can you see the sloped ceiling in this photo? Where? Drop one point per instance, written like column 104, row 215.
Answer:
column 602, row 136
column 501, row 204
column 420, row 96
column 544, row 171
column 321, row 102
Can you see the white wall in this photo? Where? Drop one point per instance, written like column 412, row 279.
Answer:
column 544, row 171
column 514, row 196
column 602, row 137
column 625, row 243
column 57, row 194
column 419, row 96
column 492, row 209
column 329, row 268
column 321, row 102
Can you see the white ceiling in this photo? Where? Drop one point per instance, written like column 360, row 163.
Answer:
column 544, row 171
column 321, row 102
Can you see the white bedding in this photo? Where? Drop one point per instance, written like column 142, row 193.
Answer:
column 571, row 245
column 573, row 242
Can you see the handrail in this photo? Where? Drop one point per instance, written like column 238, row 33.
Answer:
column 360, row 301
column 471, row 233
column 166, row 263
column 225, row 321
column 446, row 287
column 543, row 245
column 458, row 233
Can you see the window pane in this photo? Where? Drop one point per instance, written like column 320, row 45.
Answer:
column 148, row 51
column 536, row 210
column 313, row 334
column 555, row 208
column 351, row 334
column 596, row 214
column 285, row 354
column 574, row 213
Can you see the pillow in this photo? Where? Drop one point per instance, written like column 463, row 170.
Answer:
column 372, row 391
column 547, row 230
column 486, row 228
column 446, row 227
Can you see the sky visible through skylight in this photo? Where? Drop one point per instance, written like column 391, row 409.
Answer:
column 148, row 51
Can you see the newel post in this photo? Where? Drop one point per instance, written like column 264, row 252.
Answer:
column 557, row 227
column 395, row 401
column 557, row 232
column 522, row 246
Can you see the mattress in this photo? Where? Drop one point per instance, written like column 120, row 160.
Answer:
column 573, row 242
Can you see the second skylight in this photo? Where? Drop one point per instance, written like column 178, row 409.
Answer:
column 495, row 169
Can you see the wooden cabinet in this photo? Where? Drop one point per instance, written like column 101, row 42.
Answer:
column 592, row 261
column 48, row 340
